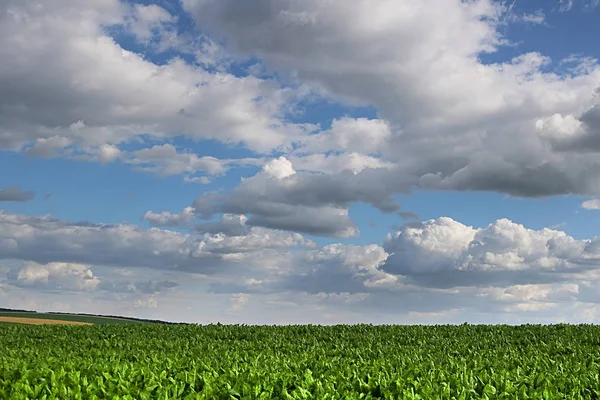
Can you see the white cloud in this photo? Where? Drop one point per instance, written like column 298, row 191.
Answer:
column 593, row 204
column 360, row 135
column 48, row 147
column 279, row 168
column 45, row 239
column 336, row 164
column 145, row 21
column 166, row 218
column 446, row 253
column 93, row 92
column 204, row 180
column 54, row 275
column 445, row 119
column 165, row 161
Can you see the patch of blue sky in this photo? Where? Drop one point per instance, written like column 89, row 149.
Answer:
column 562, row 35
column 110, row 193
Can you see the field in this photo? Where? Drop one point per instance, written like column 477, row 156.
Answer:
column 152, row 361
column 39, row 321
column 54, row 318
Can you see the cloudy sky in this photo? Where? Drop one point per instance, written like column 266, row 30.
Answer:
column 284, row 161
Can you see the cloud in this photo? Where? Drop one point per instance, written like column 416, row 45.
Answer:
column 430, row 132
column 144, row 287
column 45, row 239
column 332, row 269
column 238, row 300
column 54, row 275
column 593, row 204
column 279, row 168
column 573, row 134
column 278, row 197
column 565, row 5
column 345, row 268
column 146, row 21
column 437, row 134
column 166, row 218
column 48, row 147
column 229, row 224
column 501, row 272
column 446, row 253
column 356, row 135
column 408, row 215
column 94, row 93
column 14, row 193
column 165, row 161
column 148, row 302
column 204, row 180
column 338, row 163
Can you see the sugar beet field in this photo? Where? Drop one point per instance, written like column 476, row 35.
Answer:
column 152, row 361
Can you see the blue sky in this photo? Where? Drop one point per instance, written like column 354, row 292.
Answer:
column 342, row 158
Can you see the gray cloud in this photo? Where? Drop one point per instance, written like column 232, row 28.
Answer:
column 278, row 197
column 167, row 218
column 45, row 240
column 567, row 133
column 229, row 224
column 436, row 270
column 144, row 287
column 437, row 137
column 408, row 215
column 94, row 93
column 14, row 193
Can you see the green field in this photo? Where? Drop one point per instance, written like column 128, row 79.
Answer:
column 152, row 361
column 69, row 317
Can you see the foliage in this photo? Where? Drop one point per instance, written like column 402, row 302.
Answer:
column 149, row 361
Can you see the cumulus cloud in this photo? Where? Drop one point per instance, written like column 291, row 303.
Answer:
column 345, row 268
column 54, row 275
column 279, row 168
column 446, row 253
column 424, row 269
column 95, row 93
column 430, row 132
column 15, row 193
column 279, row 197
column 571, row 133
column 440, row 135
column 335, row 268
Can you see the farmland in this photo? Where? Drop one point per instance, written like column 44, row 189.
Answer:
column 152, row 361
column 36, row 318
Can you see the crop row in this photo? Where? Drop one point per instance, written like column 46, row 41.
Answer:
column 299, row 362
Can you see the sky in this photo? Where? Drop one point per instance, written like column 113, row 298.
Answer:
column 295, row 162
